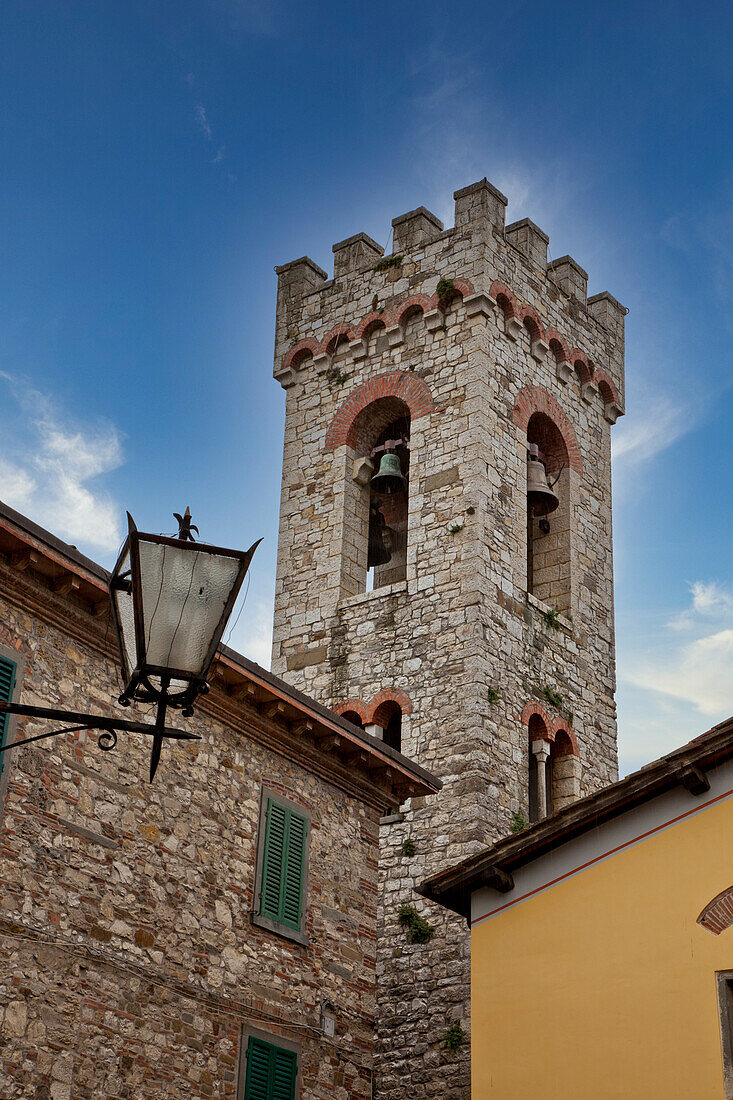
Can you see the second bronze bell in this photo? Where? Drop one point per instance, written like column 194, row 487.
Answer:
column 541, row 499
column 388, row 478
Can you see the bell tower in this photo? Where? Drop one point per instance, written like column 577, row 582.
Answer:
column 421, row 591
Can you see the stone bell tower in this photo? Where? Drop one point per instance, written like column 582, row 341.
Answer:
column 475, row 633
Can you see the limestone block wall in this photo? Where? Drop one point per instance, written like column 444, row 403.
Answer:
column 129, row 964
column 474, row 333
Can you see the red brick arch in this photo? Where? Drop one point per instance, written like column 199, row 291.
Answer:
column 535, row 708
column 718, row 913
column 417, row 302
column 353, row 704
column 299, row 351
column 534, row 399
column 367, row 711
column 390, row 695
column 531, row 322
column 506, row 300
column 562, row 727
column 557, row 345
column 608, row 391
column 402, row 384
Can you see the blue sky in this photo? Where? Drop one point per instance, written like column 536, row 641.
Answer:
column 158, row 159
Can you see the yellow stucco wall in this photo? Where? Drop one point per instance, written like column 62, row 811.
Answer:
column 603, row 986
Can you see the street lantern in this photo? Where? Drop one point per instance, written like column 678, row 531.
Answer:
column 171, row 600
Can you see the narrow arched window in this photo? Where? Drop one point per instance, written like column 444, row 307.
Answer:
column 388, row 717
column 548, row 535
column 538, row 751
column 376, row 506
column 353, row 717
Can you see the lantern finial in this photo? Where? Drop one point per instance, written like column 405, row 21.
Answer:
column 185, row 527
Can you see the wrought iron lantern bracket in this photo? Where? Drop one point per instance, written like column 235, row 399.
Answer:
column 108, row 728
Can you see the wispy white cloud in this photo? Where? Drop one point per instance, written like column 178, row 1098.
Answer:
column 653, row 425
column 199, row 113
column 47, row 465
column 693, row 659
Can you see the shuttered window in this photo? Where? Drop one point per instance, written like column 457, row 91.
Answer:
column 7, row 683
column 283, row 866
column 271, row 1072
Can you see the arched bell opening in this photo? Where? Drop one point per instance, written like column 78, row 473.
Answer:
column 564, row 770
column 353, row 717
column 383, row 434
column 540, row 780
column 388, row 716
column 548, row 513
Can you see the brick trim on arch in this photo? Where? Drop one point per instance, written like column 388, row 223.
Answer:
column 607, row 389
column 298, row 351
column 535, row 708
column 390, row 695
column 501, row 293
column 402, row 384
column 553, row 337
column 718, row 913
column 534, row 399
column 562, row 727
column 353, row 704
column 528, row 317
column 411, row 305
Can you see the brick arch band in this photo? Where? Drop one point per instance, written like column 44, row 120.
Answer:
column 402, row 384
column 718, row 913
column 551, row 728
column 366, row 711
column 533, row 399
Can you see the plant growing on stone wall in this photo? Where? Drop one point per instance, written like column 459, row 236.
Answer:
column 454, row 1037
column 519, row 822
column 335, row 377
column 389, row 261
column 551, row 618
column 408, row 847
column 471, row 511
column 418, row 929
column 444, row 289
column 552, row 697
column 455, row 528
column 375, row 304
column 493, row 695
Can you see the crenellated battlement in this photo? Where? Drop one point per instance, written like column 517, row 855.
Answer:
column 499, row 270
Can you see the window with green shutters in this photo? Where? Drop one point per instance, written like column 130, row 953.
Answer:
column 7, row 683
column 283, row 865
column 272, row 1071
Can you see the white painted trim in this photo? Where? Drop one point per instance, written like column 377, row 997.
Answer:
column 604, row 842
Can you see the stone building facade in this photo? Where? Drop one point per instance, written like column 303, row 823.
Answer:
column 135, row 957
column 485, row 632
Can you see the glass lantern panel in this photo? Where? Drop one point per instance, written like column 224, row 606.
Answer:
column 185, row 590
column 126, row 613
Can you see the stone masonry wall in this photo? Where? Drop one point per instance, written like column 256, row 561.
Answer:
column 128, row 961
column 514, row 337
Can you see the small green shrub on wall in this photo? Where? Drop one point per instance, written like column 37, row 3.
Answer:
column 454, row 1037
column 418, row 929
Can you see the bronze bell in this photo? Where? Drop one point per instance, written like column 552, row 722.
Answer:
column 379, row 551
column 541, row 500
column 388, row 478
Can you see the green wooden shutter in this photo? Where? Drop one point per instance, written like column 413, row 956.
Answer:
column 7, row 683
column 283, row 867
column 285, row 1073
column 294, row 871
column 271, row 1072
